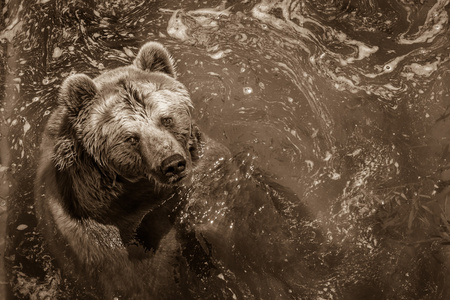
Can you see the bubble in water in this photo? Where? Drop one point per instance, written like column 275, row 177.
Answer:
column 334, row 176
column 128, row 51
column 22, row 227
column 26, row 127
column 57, row 52
column 309, row 164
column 217, row 55
column 388, row 68
column 247, row 90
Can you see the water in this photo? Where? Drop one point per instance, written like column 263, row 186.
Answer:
column 343, row 103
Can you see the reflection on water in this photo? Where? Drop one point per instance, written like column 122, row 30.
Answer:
column 343, row 102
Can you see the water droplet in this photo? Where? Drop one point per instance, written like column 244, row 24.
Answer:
column 335, row 176
column 309, row 164
column 217, row 55
column 45, row 81
column 35, row 99
column 26, row 127
column 264, row 26
column 57, row 52
column 128, row 52
column 290, row 100
column 22, row 227
column 247, row 90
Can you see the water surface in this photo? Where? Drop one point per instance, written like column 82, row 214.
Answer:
column 345, row 103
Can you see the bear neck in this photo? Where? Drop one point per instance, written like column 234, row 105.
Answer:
column 88, row 192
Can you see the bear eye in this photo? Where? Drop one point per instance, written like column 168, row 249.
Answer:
column 133, row 140
column 167, row 121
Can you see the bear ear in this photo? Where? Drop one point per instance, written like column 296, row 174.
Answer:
column 76, row 91
column 154, row 57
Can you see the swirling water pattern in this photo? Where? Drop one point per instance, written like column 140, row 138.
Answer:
column 343, row 102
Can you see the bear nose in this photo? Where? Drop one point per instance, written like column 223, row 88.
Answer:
column 173, row 165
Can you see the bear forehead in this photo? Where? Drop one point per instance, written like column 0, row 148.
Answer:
column 135, row 99
column 142, row 88
column 131, row 93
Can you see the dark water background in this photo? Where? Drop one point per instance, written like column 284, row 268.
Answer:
column 346, row 103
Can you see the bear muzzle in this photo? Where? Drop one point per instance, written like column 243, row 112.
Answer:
column 173, row 168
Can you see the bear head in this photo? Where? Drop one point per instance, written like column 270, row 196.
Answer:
column 132, row 122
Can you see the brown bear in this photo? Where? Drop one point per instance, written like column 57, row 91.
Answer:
column 134, row 202
column 117, row 149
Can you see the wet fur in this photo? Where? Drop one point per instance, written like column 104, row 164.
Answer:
column 101, row 202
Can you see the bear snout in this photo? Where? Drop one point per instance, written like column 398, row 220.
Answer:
column 173, row 167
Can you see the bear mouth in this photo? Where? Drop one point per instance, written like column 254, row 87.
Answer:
column 175, row 180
